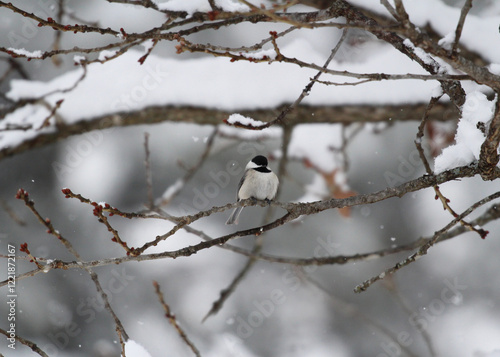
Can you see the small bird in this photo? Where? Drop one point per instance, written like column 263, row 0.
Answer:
column 258, row 182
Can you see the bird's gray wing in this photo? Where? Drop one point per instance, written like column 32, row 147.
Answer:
column 240, row 184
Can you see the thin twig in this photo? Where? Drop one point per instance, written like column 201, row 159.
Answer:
column 58, row 34
column 425, row 247
column 351, row 311
column 491, row 214
column 391, row 286
column 122, row 342
column 26, row 342
column 460, row 25
column 148, row 52
column 51, row 23
column 272, row 14
column 52, row 114
column 258, row 46
column 226, row 293
column 174, row 190
column 439, row 195
column 149, row 176
column 398, row 191
column 214, row 6
column 305, row 92
column 297, row 209
column 11, row 213
column 390, row 8
column 173, row 321
column 402, row 14
column 23, row 195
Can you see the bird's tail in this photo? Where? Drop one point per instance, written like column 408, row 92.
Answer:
column 233, row 218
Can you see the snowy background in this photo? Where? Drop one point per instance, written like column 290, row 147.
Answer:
column 451, row 295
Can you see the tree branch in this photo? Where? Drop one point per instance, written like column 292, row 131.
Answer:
column 173, row 321
column 426, row 246
column 23, row 195
column 26, row 342
column 294, row 210
column 488, row 158
column 346, row 114
column 460, row 26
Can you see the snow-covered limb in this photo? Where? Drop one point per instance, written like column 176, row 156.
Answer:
column 134, row 349
column 24, row 53
column 489, row 156
column 202, row 6
column 31, row 117
column 172, row 190
column 477, row 112
column 242, row 121
column 157, row 83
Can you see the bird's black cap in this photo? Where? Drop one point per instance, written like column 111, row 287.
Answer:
column 260, row 160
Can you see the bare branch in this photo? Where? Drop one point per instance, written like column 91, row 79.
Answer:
column 402, row 14
column 26, row 342
column 453, row 89
column 149, row 177
column 460, row 25
column 390, row 285
column 307, row 89
column 23, row 195
column 425, row 247
column 390, row 8
column 11, row 213
column 58, row 34
column 173, row 321
column 214, row 6
column 491, row 214
column 225, row 293
column 50, row 22
column 294, row 211
column 144, row 3
column 174, row 190
column 480, row 74
column 352, row 311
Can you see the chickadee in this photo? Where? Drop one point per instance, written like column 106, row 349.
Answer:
column 258, row 182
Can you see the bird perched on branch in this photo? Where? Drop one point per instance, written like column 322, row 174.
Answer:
column 258, row 182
